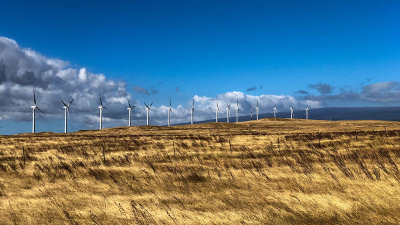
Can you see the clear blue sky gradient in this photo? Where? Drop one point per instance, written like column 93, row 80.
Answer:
column 211, row 47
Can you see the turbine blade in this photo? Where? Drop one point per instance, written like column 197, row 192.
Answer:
column 105, row 107
column 129, row 103
column 71, row 102
column 151, row 104
column 39, row 109
column 34, row 96
column 101, row 102
column 63, row 102
column 146, row 105
column 170, row 102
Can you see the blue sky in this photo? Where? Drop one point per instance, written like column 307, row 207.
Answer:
column 208, row 48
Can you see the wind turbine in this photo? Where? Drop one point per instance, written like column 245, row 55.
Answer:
column 169, row 112
column 130, row 107
column 291, row 112
column 237, row 111
column 216, row 112
column 101, row 107
column 257, row 110
column 191, row 112
column 148, row 112
column 251, row 113
column 228, row 108
column 66, row 109
column 34, row 107
column 274, row 111
column 307, row 113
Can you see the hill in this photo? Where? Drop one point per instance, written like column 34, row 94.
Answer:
column 267, row 171
column 328, row 113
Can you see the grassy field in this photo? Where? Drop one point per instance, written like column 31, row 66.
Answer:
column 277, row 171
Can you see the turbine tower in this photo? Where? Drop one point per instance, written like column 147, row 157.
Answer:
column 191, row 112
column 307, row 113
column 216, row 112
column 34, row 107
column 257, row 110
column 169, row 112
column 148, row 112
column 237, row 111
column 291, row 112
column 130, row 107
column 228, row 108
column 101, row 107
column 66, row 109
column 274, row 111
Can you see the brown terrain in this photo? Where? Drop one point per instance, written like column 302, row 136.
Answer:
column 272, row 171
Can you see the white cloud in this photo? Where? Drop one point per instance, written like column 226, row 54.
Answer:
column 22, row 70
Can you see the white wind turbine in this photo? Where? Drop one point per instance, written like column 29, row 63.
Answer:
column 191, row 112
column 251, row 113
column 169, row 112
column 130, row 107
column 101, row 107
column 148, row 112
column 274, row 111
column 237, row 111
column 216, row 112
column 307, row 113
column 291, row 112
column 228, row 109
column 257, row 110
column 66, row 109
column 34, row 107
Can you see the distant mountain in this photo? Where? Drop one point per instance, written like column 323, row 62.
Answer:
column 330, row 113
column 346, row 113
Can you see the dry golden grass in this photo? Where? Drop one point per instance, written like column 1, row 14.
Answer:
column 276, row 171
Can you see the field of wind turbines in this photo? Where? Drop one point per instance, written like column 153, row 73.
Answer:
column 269, row 171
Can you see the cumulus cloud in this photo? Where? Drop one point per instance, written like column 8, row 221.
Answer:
column 381, row 92
column 251, row 89
column 321, row 88
column 302, row 92
column 154, row 91
column 141, row 90
column 385, row 92
column 22, row 70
